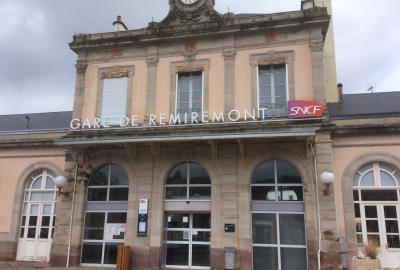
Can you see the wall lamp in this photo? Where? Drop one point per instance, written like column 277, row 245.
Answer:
column 61, row 182
column 327, row 178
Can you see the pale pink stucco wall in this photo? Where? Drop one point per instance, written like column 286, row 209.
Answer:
column 347, row 150
column 13, row 164
column 243, row 80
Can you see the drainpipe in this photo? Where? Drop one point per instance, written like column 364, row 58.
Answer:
column 318, row 207
column 72, row 210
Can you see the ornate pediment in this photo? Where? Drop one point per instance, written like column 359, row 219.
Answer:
column 183, row 12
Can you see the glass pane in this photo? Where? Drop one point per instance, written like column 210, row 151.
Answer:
column 356, row 195
column 264, row 229
column 200, row 193
column 45, row 221
column 23, row 221
column 50, row 183
column 290, row 193
column 379, row 195
column 177, row 236
column 393, row 241
column 198, row 175
column 47, row 210
column 292, row 229
column 375, row 238
column 37, row 184
column 293, row 258
column 31, row 233
column 119, row 194
column 372, row 226
column 365, row 168
column 42, row 196
column 34, row 210
column 44, row 233
column 117, row 218
column 359, row 239
column 202, row 221
column 97, row 194
column 92, row 253
column 358, row 226
column 357, row 211
column 200, row 255
column 392, row 226
column 176, row 193
column 33, row 220
column 265, row 258
column 371, row 212
column 368, row 180
column 118, row 176
column 356, row 179
column 387, row 180
column 200, row 236
column 390, row 211
column 264, row 174
column 177, row 254
column 110, row 253
column 21, row 234
column 94, row 226
column 263, row 193
column 287, row 174
column 100, row 177
column 178, row 175
column 177, row 221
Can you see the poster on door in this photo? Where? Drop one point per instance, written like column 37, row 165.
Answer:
column 114, row 231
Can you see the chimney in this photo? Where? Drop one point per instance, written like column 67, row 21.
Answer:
column 340, row 92
column 307, row 4
column 119, row 25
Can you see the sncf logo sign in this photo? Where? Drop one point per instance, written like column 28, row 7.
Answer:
column 304, row 109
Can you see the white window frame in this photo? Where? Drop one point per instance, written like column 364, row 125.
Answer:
column 191, row 93
column 272, row 84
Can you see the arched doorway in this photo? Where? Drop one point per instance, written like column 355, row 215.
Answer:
column 377, row 209
column 105, row 216
column 187, row 223
column 38, row 219
column 278, row 227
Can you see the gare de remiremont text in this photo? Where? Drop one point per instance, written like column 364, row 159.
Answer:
column 171, row 119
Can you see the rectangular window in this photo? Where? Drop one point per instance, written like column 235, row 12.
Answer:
column 272, row 90
column 114, row 99
column 189, row 97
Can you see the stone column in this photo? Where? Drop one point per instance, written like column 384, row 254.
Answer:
column 330, row 257
column 80, row 66
column 63, row 214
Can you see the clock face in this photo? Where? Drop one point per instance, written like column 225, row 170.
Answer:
column 189, row 2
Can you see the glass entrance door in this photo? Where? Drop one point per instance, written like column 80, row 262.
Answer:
column 380, row 223
column 188, row 240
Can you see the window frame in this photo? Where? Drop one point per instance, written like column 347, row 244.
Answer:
column 187, row 185
column 191, row 91
column 114, row 72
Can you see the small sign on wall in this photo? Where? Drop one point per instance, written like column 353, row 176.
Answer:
column 230, row 227
column 304, row 109
column 143, row 217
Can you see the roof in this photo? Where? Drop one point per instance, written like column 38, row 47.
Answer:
column 366, row 105
column 37, row 121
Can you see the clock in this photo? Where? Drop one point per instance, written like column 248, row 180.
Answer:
column 189, row 2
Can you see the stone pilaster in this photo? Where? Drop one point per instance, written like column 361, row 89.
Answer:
column 81, row 66
column 152, row 63
column 330, row 258
column 229, row 57
column 318, row 71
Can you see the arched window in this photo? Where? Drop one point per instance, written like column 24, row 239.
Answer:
column 276, row 181
column 108, row 183
column 376, row 205
column 279, row 240
column 188, row 181
column 38, row 219
column 105, row 218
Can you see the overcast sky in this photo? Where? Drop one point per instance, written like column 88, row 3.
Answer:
column 37, row 71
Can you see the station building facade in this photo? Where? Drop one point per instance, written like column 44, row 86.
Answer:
column 201, row 134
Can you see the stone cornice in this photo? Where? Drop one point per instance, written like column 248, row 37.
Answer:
column 227, row 24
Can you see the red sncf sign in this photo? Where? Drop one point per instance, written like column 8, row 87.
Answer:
column 304, row 109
